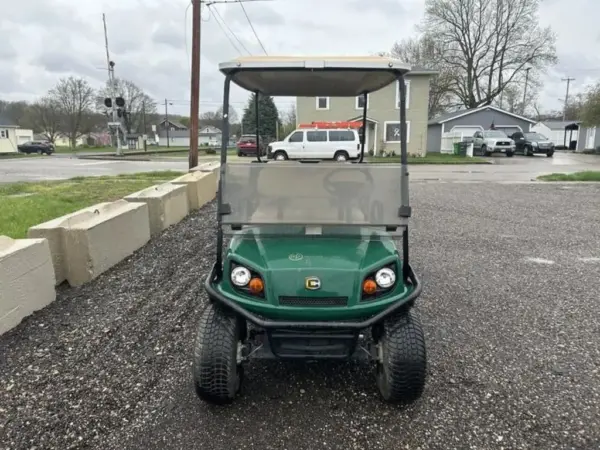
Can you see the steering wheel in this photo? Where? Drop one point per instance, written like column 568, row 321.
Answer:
column 348, row 189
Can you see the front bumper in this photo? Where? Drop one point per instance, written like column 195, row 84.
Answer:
column 502, row 149
column 218, row 296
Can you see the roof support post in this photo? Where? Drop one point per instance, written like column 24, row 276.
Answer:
column 224, row 145
column 364, row 127
column 256, row 111
column 405, row 210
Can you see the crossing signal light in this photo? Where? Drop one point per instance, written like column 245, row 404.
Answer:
column 120, row 101
column 108, row 102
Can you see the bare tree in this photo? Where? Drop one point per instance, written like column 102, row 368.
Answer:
column 288, row 120
column 488, row 44
column 74, row 98
column 425, row 52
column 138, row 104
column 47, row 117
column 215, row 118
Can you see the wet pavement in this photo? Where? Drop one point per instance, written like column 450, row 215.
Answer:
column 503, row 169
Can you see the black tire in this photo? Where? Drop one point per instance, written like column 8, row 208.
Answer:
column 510, row 154
column 240, row 154
column 484, row 151
column 528, row 151
column 401, row 374
column 217, row 375
column 341, row 153
column 549, row 154
column 281, row 154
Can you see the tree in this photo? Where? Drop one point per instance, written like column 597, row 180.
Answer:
column 425, row 52
column 215, row 118
column 590, row 111
column 74, row 98
column 268, row 115
column 488, row 44
column 47, row 117
column 288, row 121
column 19, row 112
column 138, row 104
column 511, row 98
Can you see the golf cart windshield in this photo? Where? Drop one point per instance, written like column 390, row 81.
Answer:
column 294, row 193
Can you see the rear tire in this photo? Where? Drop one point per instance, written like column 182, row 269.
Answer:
column 341, row 156
column 217, row 375
column 510, row 154
column 528, row 151
column 549, row 154
column 280, row 156
column 484, row 151
column 401, row 371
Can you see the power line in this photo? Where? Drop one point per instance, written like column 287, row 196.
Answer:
column 219, row 18
column 252, row 26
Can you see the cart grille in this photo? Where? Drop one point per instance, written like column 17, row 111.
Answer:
column 313, row 301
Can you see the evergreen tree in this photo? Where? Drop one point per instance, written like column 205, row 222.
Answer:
column 268, row 115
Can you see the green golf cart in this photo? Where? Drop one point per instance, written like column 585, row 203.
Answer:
column 307, row 262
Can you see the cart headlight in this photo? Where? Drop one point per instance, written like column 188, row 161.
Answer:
column 385, row 278
column 240, row 276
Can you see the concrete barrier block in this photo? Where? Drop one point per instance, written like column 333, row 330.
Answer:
column 26, row 279
column 53, row 231
column 213, row 167
column 201, row 188
column 96, row 240
column 167, row 205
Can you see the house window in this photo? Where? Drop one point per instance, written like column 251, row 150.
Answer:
column 391, row 132
column 4, row 134
column 322, row 102
column 360, row 102
column 407, row 84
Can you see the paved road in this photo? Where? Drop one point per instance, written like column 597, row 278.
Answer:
column 504, row 169
column 510, row 308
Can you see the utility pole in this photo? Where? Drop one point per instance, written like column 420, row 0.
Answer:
column 167, row 123
column 525, row 90
column 144, row 135
column 568, row 80
column 195, row 84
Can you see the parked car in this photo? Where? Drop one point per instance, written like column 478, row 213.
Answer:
column 39, row 147
column 340, row 144
column 246, row 145
column 531, row 143
column 493, row 141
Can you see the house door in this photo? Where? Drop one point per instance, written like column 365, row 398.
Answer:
column 591, row 138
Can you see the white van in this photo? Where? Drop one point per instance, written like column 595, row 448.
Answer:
column 340, row 144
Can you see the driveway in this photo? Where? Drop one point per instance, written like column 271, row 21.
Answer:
column 510, row 309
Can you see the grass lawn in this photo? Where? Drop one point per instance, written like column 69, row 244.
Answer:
column 588, row 175
column 23, row 205
column 435, row 158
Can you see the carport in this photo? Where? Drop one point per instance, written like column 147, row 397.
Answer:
column 445, row 130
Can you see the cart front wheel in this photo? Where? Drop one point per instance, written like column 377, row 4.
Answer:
column 402, row 366
column 216, row 372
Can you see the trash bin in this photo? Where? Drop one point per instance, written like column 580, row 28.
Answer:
column 462, row 148
column 456, row 146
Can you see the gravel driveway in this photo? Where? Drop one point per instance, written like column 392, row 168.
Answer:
column 511, row 313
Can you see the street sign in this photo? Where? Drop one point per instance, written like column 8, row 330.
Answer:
column 114, row 124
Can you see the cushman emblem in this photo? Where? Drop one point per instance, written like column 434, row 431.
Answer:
column 312, row 283
column 296, row 256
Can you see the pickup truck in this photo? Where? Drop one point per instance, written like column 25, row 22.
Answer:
column 492, row 141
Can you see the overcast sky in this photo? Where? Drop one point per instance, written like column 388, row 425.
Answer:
column 43, row 40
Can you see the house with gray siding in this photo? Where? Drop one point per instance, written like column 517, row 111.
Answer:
column 444, row 130
column 383, row 113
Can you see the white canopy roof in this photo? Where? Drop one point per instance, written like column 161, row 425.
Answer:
column 307, row 76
